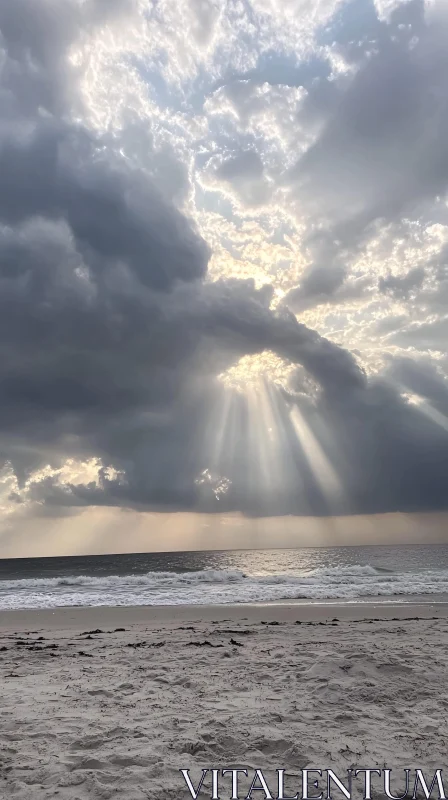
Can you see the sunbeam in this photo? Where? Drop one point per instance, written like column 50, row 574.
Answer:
column 422, row 403
column 319, row 464
column 272, row 472
column 436, row 416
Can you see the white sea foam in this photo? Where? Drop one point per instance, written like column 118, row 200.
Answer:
column 218, row 586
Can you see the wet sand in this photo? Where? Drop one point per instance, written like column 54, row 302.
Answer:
column 286, row 611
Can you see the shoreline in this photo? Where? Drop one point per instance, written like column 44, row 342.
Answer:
column 73, row 617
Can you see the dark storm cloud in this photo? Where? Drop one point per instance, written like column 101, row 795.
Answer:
column 104, row 319
column 60, row 172
column 392, row 456
column 111, row 339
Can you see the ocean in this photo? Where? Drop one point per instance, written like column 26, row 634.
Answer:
column 234, row 576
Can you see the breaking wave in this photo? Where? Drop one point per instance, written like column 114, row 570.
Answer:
column 219, row 586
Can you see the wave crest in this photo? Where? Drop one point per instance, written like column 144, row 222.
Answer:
column 218, row 587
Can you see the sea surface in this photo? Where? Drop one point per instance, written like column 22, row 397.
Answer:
column 233, row 576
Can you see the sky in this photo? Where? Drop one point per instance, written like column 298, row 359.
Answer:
column 223, row 273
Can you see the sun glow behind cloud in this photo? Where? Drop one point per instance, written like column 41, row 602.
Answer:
column 16, row 497
column 251, row 370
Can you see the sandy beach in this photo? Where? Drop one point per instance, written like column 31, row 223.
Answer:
column 107, row 702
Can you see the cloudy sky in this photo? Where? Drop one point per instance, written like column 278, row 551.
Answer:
column 223, row 269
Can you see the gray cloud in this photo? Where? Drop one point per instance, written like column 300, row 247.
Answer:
column 59, row 172
column 326, row 285
column 245, row 165
column 382, row 151
column 401, row 285
column 423, row 335
column 111, row 336
column 35, row 38
column 421, row 377
column 245, row 174
column 378, row 156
